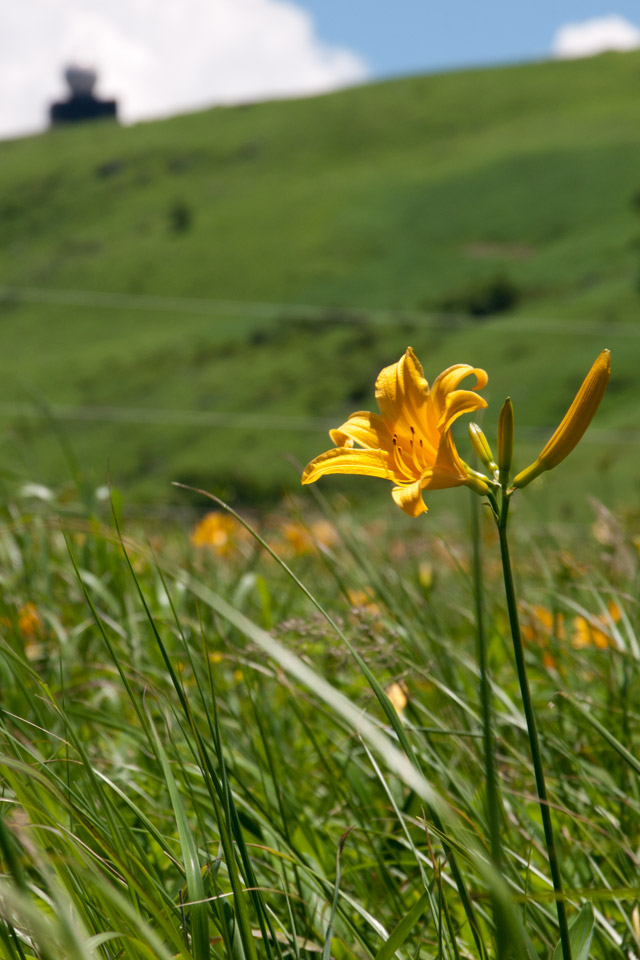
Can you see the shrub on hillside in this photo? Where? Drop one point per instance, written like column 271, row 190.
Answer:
column 483, row 297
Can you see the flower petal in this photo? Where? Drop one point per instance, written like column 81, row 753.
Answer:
column 446, row 383
column 402, row 392
column 371, row 463
column 457, row 403
column 367, row 429
column 409, row 498
column 443, row 479
column 448, row 469
column 453, row 376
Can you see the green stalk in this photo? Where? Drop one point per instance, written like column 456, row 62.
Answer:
column 534, row 743
column 493, row 796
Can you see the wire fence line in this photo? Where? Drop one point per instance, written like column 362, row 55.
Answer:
column 166, row 417
column 225, row 309
column 141, row 416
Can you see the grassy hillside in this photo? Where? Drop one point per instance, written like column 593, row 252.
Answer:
column 511, row 189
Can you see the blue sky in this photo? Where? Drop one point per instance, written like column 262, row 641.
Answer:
column 408, row 36
column 161, row 57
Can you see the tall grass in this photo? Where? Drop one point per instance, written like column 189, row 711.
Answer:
column 198, row 758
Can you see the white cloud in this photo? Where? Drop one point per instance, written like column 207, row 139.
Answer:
column 158, row 57
column 594, row 36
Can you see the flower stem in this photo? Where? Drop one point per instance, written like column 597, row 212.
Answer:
column 494, row 806
column 531, row 727
column 493, row 797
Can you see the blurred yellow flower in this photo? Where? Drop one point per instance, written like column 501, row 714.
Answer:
column 363, row 601
column 218, row 531
column 589, row 633
column 574, row 423
column 30, row 627
column 303, row 539
column 398, row 695
column 585, row 634
column 426, row 574
column 540, row 624
column 614, row 611
column 29, row 621
column 410, row 441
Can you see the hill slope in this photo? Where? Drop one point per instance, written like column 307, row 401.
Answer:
column 511, row 188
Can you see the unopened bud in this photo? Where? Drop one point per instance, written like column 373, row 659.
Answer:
column 477, row 481
column 505, row 440
column 575, row 421
column 481, row 447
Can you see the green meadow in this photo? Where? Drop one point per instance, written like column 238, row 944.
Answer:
column 174, row 291
column 267, row 722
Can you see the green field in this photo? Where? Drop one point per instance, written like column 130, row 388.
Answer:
column 308, row 243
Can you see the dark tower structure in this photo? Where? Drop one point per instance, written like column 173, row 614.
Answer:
column 82, row 104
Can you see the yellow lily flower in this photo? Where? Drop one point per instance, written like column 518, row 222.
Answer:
column 409, row 442
column 574, row 423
